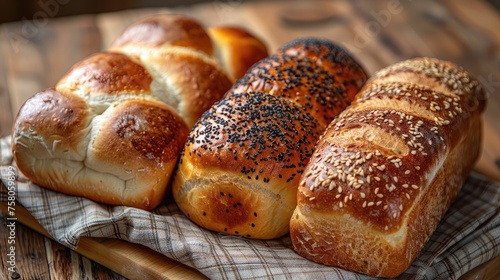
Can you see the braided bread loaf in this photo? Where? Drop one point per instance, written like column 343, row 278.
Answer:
column 387, row 169
column 113, row 127
column 239, row 171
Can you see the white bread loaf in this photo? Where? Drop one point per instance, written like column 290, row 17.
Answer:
column 192, row 66
column 387, row 169
column 239, row 171
column 113, row 127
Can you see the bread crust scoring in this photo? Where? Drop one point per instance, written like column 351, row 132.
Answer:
column 388, row 167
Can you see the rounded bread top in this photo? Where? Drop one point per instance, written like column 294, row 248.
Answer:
column 155, row 31
column 258, row 135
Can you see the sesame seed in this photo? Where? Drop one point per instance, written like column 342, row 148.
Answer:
column 407, row 172
column 395, row 179
column 407, row 195
column 394, row 215
column 379, row 202
column 415, row 187
column 405, row 186
column 361, row 173
column 363, row 195
column 377, row 178
column 371, row 203
column 364, row 204
column 376, row 190
column 312, row 198
column 381, row 167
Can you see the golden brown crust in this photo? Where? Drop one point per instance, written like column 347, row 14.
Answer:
column 191, row 82
column 254, row 144
column 267, row 154
column 237, row 49
column 142, row 129
column 277, row 138
column 146, row 138
column 111, row 158
column 315, row 74
column 188, row 74
column 443, row 76
column 106, row 132
column 166, row 29
column 61, row 119
column 299, row 80
column 356, row 247
column 387, row 168
column 333, row 58
column 110, row 73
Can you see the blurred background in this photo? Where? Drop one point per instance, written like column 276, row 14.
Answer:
column 15, row 10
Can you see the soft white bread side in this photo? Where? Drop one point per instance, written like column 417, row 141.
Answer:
column 387, row 169
column 240, row 169
column 100, row 134
column 113, row 127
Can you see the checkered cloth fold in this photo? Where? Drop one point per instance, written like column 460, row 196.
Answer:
column 468, row 236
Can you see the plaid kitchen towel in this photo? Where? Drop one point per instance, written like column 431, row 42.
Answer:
column 468, row 236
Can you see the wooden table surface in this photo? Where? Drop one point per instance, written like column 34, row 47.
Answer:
column 35, row 54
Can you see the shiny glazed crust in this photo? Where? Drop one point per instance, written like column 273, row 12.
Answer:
column 236, row 49
column 387, row 169
column 241, row 179
column 101, row 134
column 316, row 74
column 240, row 169
column 113, row 127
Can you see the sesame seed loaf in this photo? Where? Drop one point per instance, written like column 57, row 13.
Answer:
column 240, row 169
column 387, row 169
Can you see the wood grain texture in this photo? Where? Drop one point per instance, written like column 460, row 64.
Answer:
column 378, row 33
column 131, row 260
column 31, row 261
column 36, row 58
column 38, row 257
